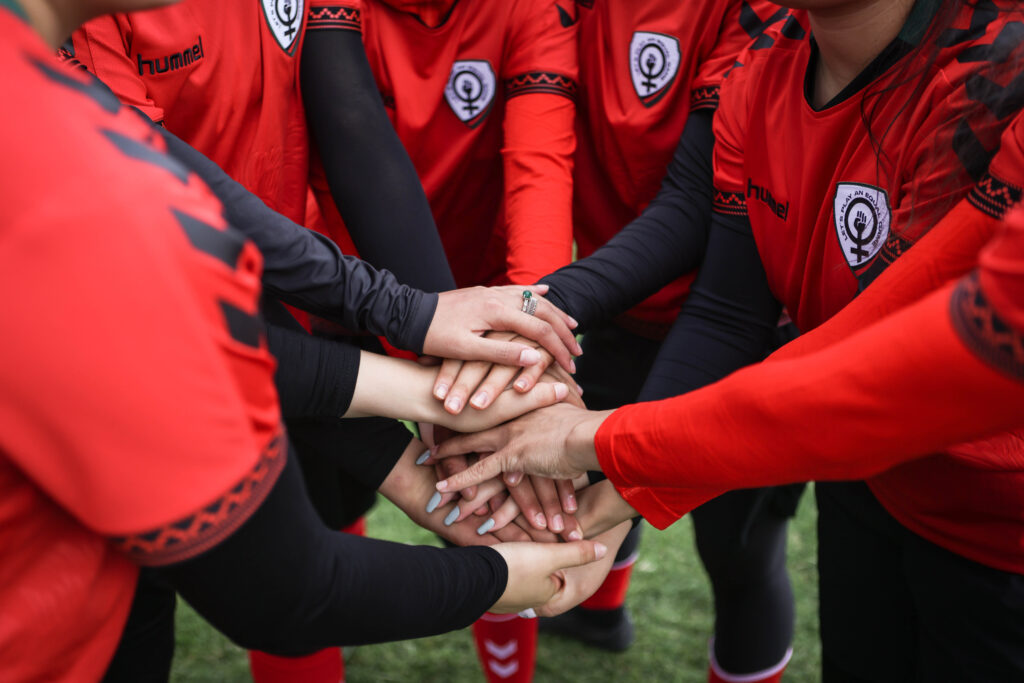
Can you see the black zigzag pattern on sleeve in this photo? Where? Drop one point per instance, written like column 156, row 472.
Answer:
column 334, row 18
column 993, row 196
column 982, row 330
column 540, row 81
column 730, row 203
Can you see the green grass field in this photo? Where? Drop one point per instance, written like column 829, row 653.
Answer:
column 669, row 597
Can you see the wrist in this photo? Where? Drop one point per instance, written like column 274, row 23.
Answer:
column 579, row 444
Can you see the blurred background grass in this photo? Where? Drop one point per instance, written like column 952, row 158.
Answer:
column 669, row 598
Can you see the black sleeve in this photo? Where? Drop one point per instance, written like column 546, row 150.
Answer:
column 308, row 271
column 285, row 584
column 667, row 240
column 315, row 377
column 727, row 320
column 372, row 179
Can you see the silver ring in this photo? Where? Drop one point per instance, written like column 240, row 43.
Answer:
column 529, row 303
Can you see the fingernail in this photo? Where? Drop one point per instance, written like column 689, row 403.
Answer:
column 561, row 390
column 570, row 502
column 557, row 524
column 453, row 404
column 435, row 500
column 521, row 384
column 528, row 613
column 572, row 322
column 480, row 400
column 575, row 535
column 541, row 521
column 579, row 389
column 453, row 515
column 485, row 527
column 600, row 549
column 514, row 478
column 423, row 458
column 442, row 485
column 529, row 357
column 572, row 366
column 441, row 391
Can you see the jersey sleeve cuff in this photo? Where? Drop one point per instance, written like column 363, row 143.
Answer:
column 334, row 18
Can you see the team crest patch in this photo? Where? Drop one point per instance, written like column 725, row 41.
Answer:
column 653, row 64
column 862, row 217
column 284, row 18
column 470, row 90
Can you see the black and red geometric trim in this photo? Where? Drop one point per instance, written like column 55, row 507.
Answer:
column 704, row 98
column 334, row 18
column 983, row 331
column 204, row 529
column 730, row 203
column 540, row 81
column 994, row 197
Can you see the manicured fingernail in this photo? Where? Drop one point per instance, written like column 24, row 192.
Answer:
column 442, row 485
column 572, row 322
column 452, row 516
column 557, row 524
column 529, row 357
column 528, row 613
column 561, row 391
column 575, row 535
column 572, row 366
column 435, row 500
column 541, row 521
column 521, row 384
column 423, row 458
column 570, row 503
column 441, row 391
column 485, row 527
column 600, row 549
column 480, row 400
column 453, row 404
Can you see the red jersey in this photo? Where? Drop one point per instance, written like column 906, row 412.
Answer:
column 483, row 104
column 149, row 436
column 831, row 218
column 643, row 68
column 224, row 77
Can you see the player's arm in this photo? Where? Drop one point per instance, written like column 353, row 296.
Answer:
column 539, row 141
column 371, row 177
column 664, row 242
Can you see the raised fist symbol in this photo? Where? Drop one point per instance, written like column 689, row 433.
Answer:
column 860, row 222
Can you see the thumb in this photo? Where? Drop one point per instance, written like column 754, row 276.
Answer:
column 575, row 554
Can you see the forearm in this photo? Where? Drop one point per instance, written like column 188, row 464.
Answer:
column 538, row 159
column 666, row 241
column 776, row 423
column 315, row 377
column 306, row 270
column 372, row 180
column 318, row 588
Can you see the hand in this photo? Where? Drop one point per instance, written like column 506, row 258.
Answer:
column 583, row 581
column 464, row 315
column 555, row 442
column 602, row 508
column 457, row 379
column 536, row 571
column 411, row 487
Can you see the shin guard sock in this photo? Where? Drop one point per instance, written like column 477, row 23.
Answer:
column 324, row 666
column 772, row 674
column 507, row 647
column 612, row 593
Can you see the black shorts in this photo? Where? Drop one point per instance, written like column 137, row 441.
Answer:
column 896, row 607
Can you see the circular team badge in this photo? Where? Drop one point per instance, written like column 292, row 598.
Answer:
column 862, row 217
column 470, row 90
column 653, row 64
column 284, row 19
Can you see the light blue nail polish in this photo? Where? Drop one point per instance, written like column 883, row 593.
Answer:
column 452, row 516
column 423, row 458
column 485, row 527
column 435, row 500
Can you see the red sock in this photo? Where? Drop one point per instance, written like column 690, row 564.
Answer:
column 772, row 674
column 507, row 647
column 325, row 666
column 612, row 593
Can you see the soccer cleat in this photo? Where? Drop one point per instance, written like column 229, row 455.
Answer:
column 610, row 630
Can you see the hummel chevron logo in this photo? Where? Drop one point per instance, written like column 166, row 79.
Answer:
column 503, row 670
column 502, row 651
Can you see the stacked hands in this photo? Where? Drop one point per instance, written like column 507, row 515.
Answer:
column 467, row 479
